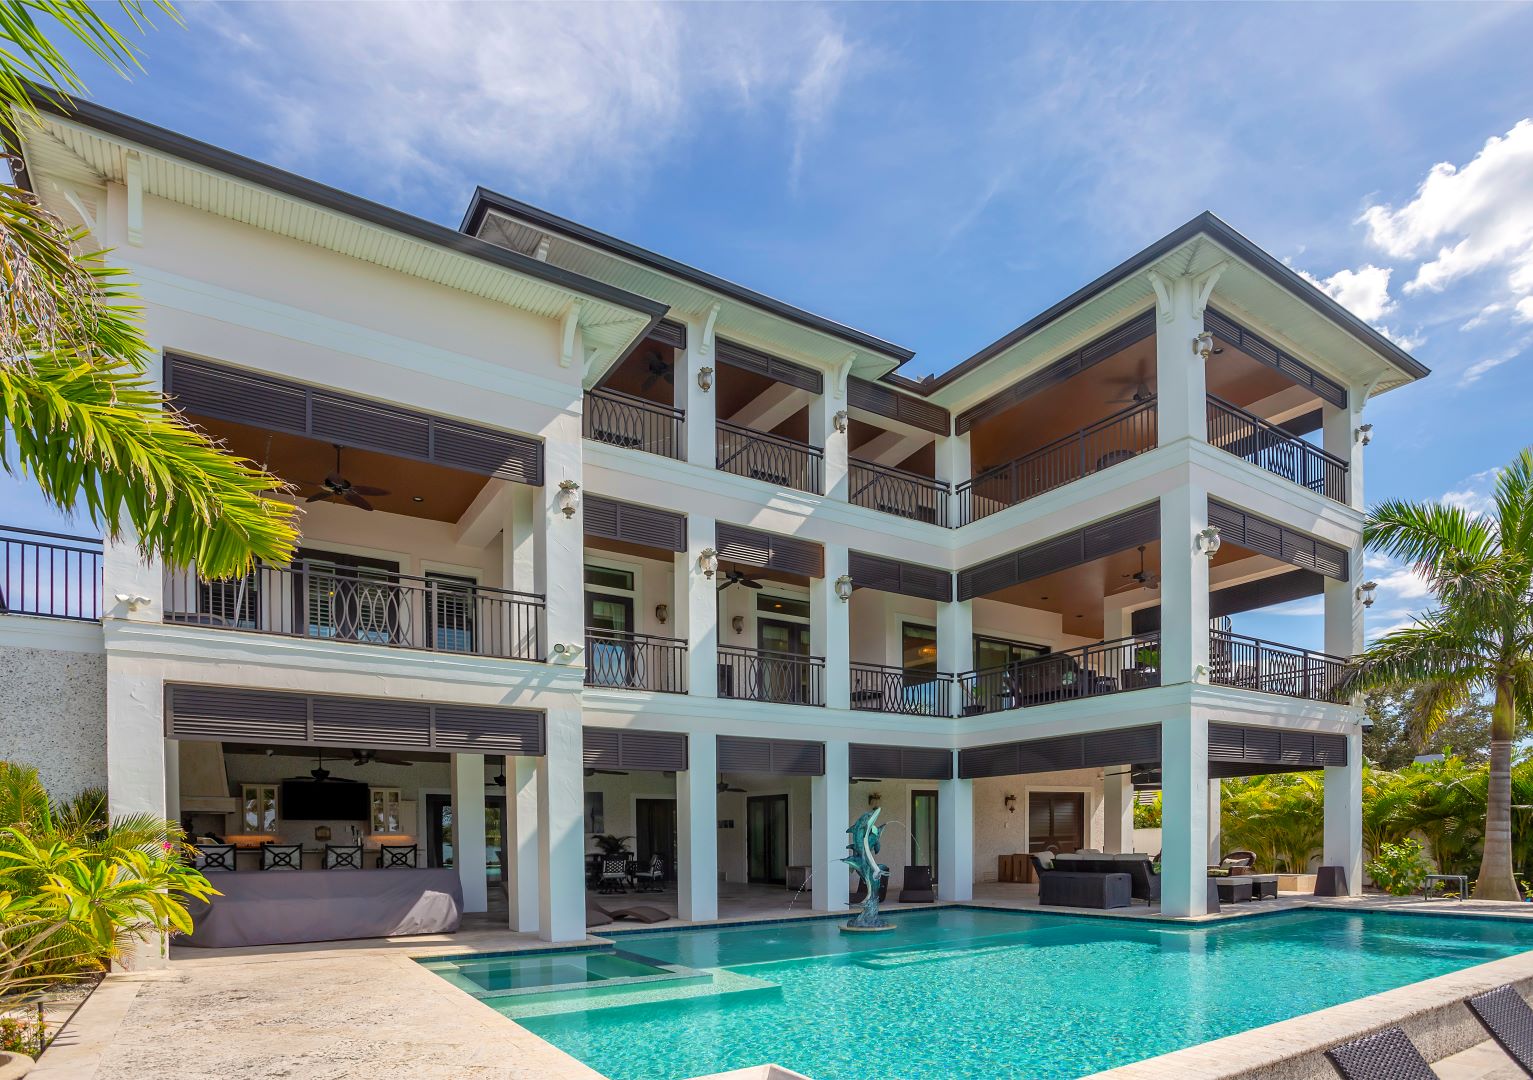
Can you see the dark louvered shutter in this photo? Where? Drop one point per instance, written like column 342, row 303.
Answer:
column 777, row 757
column 633, row 524
column 773, row 367
column 900, row 762
column 225, row 714
column 467, row 729
column 1128, row 530
column 639, row 751
column 1126, row 746
column 1051, row 755
column 980, row 761
column 1259, row 349
column 1330, row 749
column 1276, row 749
column 886, row 401
column 906, row 579
column 769, row 551
column 371, row 722
column 670, row 332
column 1281, row 543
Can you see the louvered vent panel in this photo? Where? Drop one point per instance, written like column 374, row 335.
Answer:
column 1047, row 557
column 1128, row 746
column 653, row 751
column 741, row 545
column 797, row 557
column 1330, row 749
column 357, row 423
column 216, row 713
column 794, row 757
column 979, row 761
column 926, row 582
column 926, row 763
column 601, row 748
column 1051, row 755
column 1262, row 744
column 635, row 524
column 370, row 722
column 600, row 517
column 507, row 456
column 1226, row 743
column 488, row 731
column 738, row 754
column 874, row 762
column 669, row 332
column 1296, row 747
column 773, row 367
column 1284, row 544
column 229, row 394
column 1141, row 526
column 874, row 572
column 885, row 401
column 1263, row 351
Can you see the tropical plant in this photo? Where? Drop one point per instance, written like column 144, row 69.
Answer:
column 610, row 843
column 1147, row 815
column 1476, row 642
column 78, row 413
column 1280, row 817
column 1399, row 869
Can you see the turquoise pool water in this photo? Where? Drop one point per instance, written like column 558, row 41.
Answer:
column 965, row 993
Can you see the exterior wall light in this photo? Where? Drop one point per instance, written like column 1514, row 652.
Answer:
column 662, row 613
column 708, row 562
column 568, row 500
column 844, row 587
column 1365, row 592
column 874, row 798
column 1203, row 345
column 738, row 622
column 842, row 420
column 1010, row 802
column 1209, row 540
column 1365, row 434
column 705, row 379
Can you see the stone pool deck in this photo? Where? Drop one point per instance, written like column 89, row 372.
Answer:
column 365, row 1009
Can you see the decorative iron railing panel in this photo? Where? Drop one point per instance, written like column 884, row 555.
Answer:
column 782, row 462
column 895, row 491
column 880, row 688
column 1107, row 667
column 761, row 675
column 1098, row 446
column 53, row 575
column 367, row 606
column 636, row 661
column 624, row 420
column 1269, row 447
column 1253, row 664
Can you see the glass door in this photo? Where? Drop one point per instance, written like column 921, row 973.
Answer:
column 766, row 837
column 655, row 833
column 784, row 670
column 495, row 837
column 439, row 833
column 923, row 830
column 609, row 621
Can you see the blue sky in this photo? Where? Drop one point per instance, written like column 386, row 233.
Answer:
column 938, row 174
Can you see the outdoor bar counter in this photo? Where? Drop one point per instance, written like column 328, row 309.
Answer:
column 279, row 907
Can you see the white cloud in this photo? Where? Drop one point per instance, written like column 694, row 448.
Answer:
column 1467, row 221
column 1365, row 293
column 1474, row 494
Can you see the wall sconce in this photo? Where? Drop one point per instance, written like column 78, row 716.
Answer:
column 738, row 622
column 874, row 798
column 662, row 613
column 1209, row 541
column 844, row 587
column 1365, row 592
column 567, row 498
column 708, row 562
column 842, row 420
column 1203, row 344
column 1010, row 802
column 705, row 379
column 1364, row 434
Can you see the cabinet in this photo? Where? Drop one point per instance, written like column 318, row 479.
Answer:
column 258, row 808
column 387, row 815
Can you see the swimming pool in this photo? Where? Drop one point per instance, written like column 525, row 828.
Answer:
column 972, row 993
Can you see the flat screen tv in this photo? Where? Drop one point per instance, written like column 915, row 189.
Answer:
column 332, row 800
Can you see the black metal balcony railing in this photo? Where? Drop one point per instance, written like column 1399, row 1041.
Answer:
column 366, row 606
column 1253, row 664
column 624, row 420
column 1093, row 448
column 895, row 491
column 53, row 575
column 1106, row 667
column 776, row 460
column 760, row 675
column 636, row 661
column 1269, row 447
column 879, row 688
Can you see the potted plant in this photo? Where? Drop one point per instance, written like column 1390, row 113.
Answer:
column 610, row 844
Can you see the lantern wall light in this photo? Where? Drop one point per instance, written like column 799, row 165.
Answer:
column 708, row 562
column 844, row 587
column 1365, row 434
column 568, row 500
column 842, row 421
column 705, row 379
column 1209, row 540
column 1365, row 592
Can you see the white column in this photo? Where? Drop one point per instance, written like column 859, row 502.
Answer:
column 1181, row 383
column 699, row 404
column 822, row 432
column 468, row 829
column 1339, row 432
column 561, row 830
column 1215, row 822
column 1344, row 612
column 697, row 831
column 521, row 830
column 955, row 644
column 1184, row 815
column 955, row 839
column 1117, row 809
column 173, row 780
column 954, row 465
column 1344, row 814
column 830, row 801
column 830, row 628
column 562, row 546
column 1183, row 586
column 697, row 609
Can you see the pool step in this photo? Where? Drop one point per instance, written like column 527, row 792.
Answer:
column 719, row 983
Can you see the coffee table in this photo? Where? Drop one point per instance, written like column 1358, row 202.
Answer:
column 1233, row 889
column 1263, row 886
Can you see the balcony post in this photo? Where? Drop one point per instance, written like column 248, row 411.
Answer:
column 1344, row 626
column 1339, row 430
column 697, row 813
column 955, row 646
column 561, row 843
column 1183, row 586
column 1181, row 383
column 954, row 467
column 830, row 814
column 1117, row 809
column 830, row 628
column 561, row 554
column 698, row 404
column 697, row 608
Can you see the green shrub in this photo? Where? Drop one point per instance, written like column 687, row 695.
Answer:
column 1400, row 869
column 1147, row 815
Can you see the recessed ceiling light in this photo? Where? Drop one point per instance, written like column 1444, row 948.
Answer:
column 1043, row 598
column 417, row 498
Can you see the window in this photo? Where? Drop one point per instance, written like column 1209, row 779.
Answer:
column 452, row 615
column 998, row 652
column 258, row 804
column 782, row 606
column 604, row 577
column 918, row 647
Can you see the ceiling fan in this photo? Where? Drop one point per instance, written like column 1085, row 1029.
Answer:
column 738, row 577
column 320, row 775
column 337, row 487
column 724, row 786
column 370, row 757
column 659, row 368
column 1143, row 578
column 1142, row 393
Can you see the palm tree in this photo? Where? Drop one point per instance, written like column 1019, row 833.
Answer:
column 77, row 413
column 1476, row 642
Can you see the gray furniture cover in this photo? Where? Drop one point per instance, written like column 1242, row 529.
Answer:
column 325, row 905
column 1064, row 888
column 1137, row 866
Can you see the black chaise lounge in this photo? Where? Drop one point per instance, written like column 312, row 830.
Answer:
column 1388, row 1055
column 1510, row 1022
column 596, row 915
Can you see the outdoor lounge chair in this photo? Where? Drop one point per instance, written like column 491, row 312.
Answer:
column 1388, row 1055
column 596, row 915
column 918, row 886
column 652, row 879
column 1510, row 1022
column 614, row 874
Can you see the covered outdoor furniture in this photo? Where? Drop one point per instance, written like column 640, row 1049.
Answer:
column 214, row 857
column 1263, row 886
column 1146, row 882
column 1510, row 1022
column 918, row 886
column 1389, row 1055
column 397, row 856
column 281, row 856
column 317, row 905
column 614, row 875
column 596, row 915
column 343, row 857
column 1066, row 888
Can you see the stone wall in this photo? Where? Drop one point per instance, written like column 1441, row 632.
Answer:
column 53, row 715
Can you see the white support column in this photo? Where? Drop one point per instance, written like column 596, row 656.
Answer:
column 1181, row 381
column 135, row 702
column 561, row 830
column 830, row 628
column 700, row 405
column 1339, row 431
column 955, row 644
column 468, row 852
column 1215, row 822
column 1183, row 587
column 697, row 831
column 954, row 465
column 822, row 432
column 697, row 609
column 1344, row 626
column 830, row 799
column 521, row 831
column 562, row 547
column 955, row 838
column 1344, row 814
column 1184, row 816
column 1117, row 809
column 173, row 780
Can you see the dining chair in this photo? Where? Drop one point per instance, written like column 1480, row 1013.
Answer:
column 281, row 856
column 343, row 856
column 397, row 856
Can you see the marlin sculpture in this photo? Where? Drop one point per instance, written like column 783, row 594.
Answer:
column 862, row 856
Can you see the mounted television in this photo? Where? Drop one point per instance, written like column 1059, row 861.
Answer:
column 329, row 800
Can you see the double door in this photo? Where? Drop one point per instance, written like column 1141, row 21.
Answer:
column 784, row 673
column 439, row 834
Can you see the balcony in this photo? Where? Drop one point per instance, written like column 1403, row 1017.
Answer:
column 1253, row 664
column 636, row 662
column 50, row 575
column 620, row 419
column 760, row 675
column 365, row 607
column 1091, row 449
column 1108, row 667
column 880, row 688
column 781, row 462
column 894, row 491
column 1269, row 447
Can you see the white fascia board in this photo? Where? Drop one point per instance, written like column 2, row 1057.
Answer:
column 52, row 635
column 648, row 711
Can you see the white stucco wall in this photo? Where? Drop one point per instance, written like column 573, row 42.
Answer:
column 53, row 701
column 998, row 831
